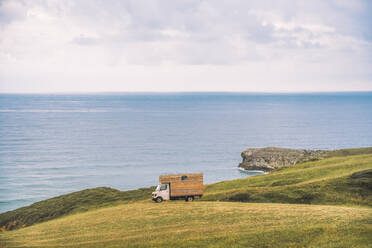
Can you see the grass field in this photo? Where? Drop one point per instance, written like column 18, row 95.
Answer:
column 202, row 224
column 323, row 203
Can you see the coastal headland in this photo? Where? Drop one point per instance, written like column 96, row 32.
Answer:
column 271, row 158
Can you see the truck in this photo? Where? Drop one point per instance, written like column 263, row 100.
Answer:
column 179, row 186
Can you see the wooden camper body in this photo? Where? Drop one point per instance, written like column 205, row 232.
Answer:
column 182, row 185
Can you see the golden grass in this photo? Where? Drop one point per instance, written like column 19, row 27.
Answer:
column 202, row 224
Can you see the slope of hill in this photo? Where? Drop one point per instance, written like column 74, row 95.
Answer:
column 337, row 181
column 202, row 224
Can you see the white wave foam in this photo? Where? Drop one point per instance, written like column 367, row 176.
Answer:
column 254, row 171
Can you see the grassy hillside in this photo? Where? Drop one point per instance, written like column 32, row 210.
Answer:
column 339, row 181
column 327, row 181
column 76, row 202
column 202, row 224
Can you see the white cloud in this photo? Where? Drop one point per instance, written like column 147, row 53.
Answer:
column 184, row 45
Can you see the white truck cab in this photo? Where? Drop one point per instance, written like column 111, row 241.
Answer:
column 161, row 193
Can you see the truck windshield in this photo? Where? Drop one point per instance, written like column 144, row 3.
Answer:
column 161, row 187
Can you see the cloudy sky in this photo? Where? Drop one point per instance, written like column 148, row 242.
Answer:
column 185, row 45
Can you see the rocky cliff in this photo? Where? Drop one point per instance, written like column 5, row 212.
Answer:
column 270, row 158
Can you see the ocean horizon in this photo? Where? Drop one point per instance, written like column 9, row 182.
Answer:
column 52, row 144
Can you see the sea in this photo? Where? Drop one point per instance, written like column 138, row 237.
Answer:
column 53, row 144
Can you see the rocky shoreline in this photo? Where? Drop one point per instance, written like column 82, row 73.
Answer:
column 271, row 158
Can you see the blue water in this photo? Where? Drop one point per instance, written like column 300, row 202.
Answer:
column 55, row 144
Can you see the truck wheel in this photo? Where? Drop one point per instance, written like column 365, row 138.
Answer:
column 189, row 199
column 159, row 199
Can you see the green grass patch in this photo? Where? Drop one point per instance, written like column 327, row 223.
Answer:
column 348, row 152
